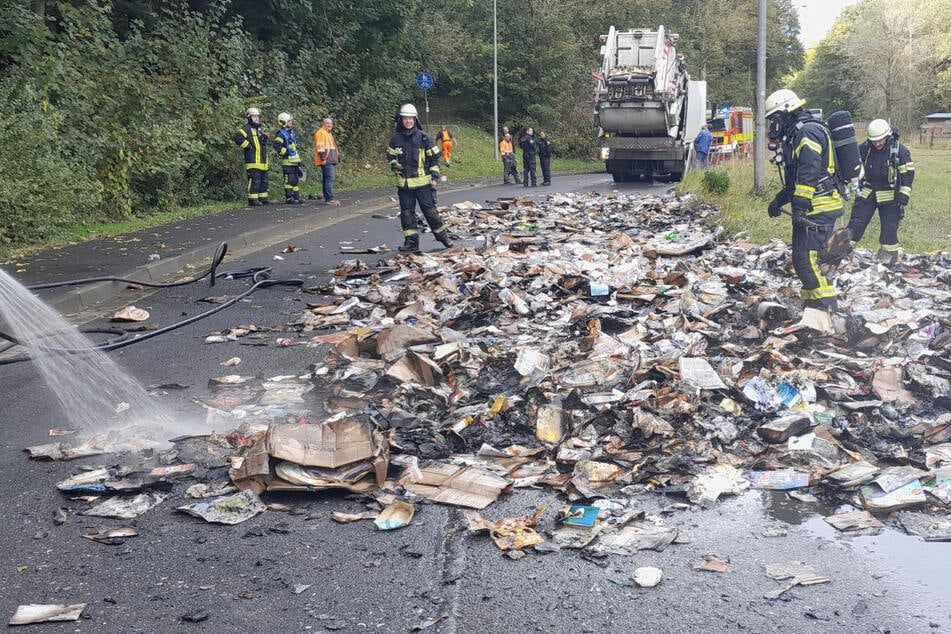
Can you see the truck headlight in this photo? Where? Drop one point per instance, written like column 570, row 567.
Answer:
column 605, row 153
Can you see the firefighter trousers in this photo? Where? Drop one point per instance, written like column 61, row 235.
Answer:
column 257, row 184
column 291, row 182
column 888, row 215
column 807, row 242
column 427, row 204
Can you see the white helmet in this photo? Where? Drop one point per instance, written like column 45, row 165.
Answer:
column 878, row 130
column 783, row 100
column 254, row 112
column 408, row 110
column 284, row 118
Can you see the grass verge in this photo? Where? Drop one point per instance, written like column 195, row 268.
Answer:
column 925, row 229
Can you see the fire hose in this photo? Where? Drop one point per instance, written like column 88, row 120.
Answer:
column 259, row 276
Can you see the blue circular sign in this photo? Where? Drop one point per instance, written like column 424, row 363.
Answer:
column 424, row 81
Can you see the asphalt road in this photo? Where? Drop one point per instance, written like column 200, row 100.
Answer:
column 301, row 571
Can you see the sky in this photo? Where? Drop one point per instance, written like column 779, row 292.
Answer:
column 816, row 18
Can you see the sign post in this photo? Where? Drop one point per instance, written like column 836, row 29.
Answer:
column 425, row 82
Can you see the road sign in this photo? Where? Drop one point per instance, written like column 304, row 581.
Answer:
column 424, row 81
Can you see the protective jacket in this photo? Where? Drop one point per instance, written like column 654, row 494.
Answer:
column 882, row 168
column 414, row 157
column 325, row 148
column 527, row 143
column 285, row 144
column 810, row 168
column 505, row 147
column 544, row 147
column 251, row 139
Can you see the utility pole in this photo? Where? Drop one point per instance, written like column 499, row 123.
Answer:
column 495, row 76
column 759, row 140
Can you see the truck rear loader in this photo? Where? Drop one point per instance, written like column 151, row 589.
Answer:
column 646, row 106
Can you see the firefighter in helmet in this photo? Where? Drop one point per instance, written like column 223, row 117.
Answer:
column 807, row 159
column 253, row 140
column 414, row 159
column 285, row 144
column 886, row 186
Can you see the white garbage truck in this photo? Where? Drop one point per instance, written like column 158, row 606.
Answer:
column 647, row 108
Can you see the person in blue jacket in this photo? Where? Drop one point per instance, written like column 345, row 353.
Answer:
column 701, row 146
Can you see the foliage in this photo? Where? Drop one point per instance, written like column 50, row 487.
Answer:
column 883, row 59
column 716, row 181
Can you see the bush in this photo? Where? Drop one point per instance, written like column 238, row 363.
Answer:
column 716, row 181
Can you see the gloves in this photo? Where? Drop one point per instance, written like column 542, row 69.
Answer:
column 300, row 172
column 775, row 209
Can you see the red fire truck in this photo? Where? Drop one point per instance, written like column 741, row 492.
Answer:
column 732, row 129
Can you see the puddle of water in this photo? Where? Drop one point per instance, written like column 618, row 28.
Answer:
column 95, row 393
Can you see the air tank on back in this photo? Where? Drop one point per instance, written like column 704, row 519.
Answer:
column 847, row 159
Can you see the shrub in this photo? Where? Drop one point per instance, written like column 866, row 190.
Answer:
column 716, row 181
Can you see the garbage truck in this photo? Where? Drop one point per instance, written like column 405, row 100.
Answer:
column 646, row 107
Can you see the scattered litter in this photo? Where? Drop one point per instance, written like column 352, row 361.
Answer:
column 854, row 521
column 713, row 563
column 42, row 613
column 231, row 509
column 112, row 536
column 395, row 515
column 131, row 313
column 126, row 508
column 647, row 576
column 797, row 572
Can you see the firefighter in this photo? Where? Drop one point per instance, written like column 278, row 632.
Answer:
column 414, row 159
column 807, row 160
column 253, row 140
column 529, row 150
column 285, row 144
column 507, row 152
column 886, row 186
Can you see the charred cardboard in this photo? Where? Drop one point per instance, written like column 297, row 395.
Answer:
column 329, row 444
column 455, row 485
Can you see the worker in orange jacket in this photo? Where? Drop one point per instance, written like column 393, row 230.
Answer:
column 446, row 141
column 507, row 152
column 326, row 157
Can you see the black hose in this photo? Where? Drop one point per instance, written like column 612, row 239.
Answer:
column 215, row 261
column 258, row 275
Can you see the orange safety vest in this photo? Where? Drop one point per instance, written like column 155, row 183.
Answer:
column 324, row 140
column 505, row 147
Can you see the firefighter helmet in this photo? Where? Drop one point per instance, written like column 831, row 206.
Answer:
column 783, row 100
column 408, row 110
column 878, row 130
column 254, row 112
column 284, row 118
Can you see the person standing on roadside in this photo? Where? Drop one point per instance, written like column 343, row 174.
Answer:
column 507, row 153
column 326, row 157
column 414, row 158
column 446, row 141
column 886, row 186
column 285, row 144
column 701, row 146
column 253, row 140
column 529, row 150
column 544, row 156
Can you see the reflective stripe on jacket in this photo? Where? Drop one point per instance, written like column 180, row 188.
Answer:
column 325, row 143
column 810, row 175
column 880, row 172
column 251, row 140
column 417, row 157
column 285, row 144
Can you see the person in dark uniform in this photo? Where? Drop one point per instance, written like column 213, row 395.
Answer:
column 529, row 150
column 285, row 144
column 886, row 186
column 544, row 156
column 253, row 140
column 809, row 186
column 414, row 159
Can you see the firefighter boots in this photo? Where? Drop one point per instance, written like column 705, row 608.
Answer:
column 443, row 236
column 410, row 244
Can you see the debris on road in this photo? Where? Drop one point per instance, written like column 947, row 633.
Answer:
column 43, row 613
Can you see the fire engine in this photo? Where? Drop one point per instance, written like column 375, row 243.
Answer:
column 732, row 129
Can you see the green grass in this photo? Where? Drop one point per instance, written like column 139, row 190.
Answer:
column 473, row 157
column 925, row 229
